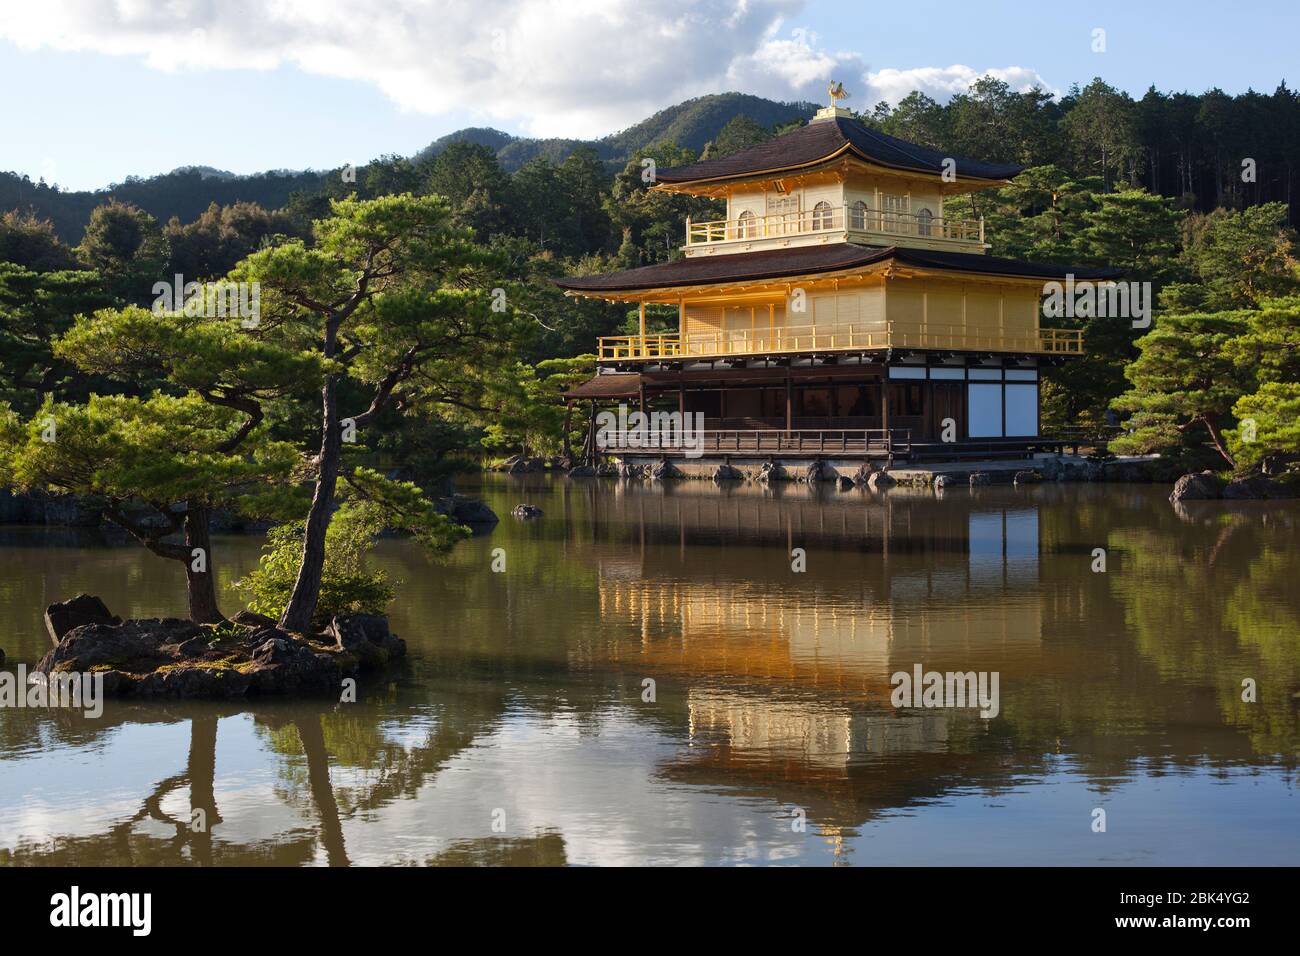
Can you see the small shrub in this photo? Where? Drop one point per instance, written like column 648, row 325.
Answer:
column 348, row 584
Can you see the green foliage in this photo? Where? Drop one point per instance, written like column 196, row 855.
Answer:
column 530, row 407
column 741, row 132
column 213, row 244
column 1183, row 379
column 348, row 584
column 1273, row 412
column 35, row 309
column 32, row 243
column 150, row 452
column 1238, row 258
column 1101, row 133
column 125, row 245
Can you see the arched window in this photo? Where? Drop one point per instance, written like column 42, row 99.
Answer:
column 923, row 220
column 746, row 227
column 821, row 216
column 858, row 215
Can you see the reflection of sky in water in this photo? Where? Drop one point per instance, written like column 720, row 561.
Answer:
column 1003, row 543
column 604, row 792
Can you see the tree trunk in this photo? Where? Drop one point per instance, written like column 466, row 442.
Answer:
column 201, row 584
column 1211, row 425
column 306, row 589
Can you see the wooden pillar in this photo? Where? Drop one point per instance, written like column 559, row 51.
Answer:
column 884, row 404
column 640, row 389
column 789, row 405
column 643, row 326
column 927, row 407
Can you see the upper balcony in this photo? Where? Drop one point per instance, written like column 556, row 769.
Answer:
column 844, row 338
column 827, row 223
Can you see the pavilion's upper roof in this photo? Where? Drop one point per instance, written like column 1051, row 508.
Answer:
column 826, row 139
column 812, row 260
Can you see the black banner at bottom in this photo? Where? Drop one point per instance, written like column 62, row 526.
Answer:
column 142, row 906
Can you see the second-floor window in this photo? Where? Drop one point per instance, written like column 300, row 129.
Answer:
column 893, row 211
column 821, row 215
column 858, row 215
column 746, row 226
column 924, row 219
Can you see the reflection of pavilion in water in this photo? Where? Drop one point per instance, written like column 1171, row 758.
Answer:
column 952, row 588
column 788, row 674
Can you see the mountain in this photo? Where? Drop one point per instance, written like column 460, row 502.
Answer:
column 183, row 193
column 695, row 122
column 187, row 191
column 692, row 123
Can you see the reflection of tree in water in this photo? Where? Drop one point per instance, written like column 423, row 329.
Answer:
column 543, row 849
column 128, row 843
column 352, row 739
column 378, row 770
column 1212, row 629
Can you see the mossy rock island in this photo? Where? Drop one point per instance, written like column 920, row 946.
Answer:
column 247, row 656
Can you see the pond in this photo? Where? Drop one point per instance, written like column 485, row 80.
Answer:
column 694, row 675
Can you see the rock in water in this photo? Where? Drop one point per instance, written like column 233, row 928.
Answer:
column 66, row 616
column 980, row 478
column 526, row 512
column 880, row 481
column 1196, row 487
column 367, row 637
column 171, row 658
column 726, row 472
column 1255, row 487
column 582, row 471
column 665, row 470
column 136, row 643
column 1027, row 477
column 773, row 471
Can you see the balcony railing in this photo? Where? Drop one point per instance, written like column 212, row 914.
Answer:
column 809, row 338
column 833, row 219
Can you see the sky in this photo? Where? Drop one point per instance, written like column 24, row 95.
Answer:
column 96, row 90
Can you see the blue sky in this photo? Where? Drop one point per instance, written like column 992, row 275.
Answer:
column 97, row 91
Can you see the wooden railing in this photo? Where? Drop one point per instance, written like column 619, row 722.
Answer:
column 810, row 338
column 756, row 441
column 834, row 219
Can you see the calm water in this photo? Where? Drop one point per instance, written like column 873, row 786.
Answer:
column 518, row 732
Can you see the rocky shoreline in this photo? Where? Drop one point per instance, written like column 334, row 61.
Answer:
column 170, row 658
column 1195, row 486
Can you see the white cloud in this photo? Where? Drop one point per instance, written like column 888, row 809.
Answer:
column 554, row 67
column 943, row 82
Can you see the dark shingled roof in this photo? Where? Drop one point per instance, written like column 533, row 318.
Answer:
column 822, row 139
column 613, row 385
column 810, row 260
